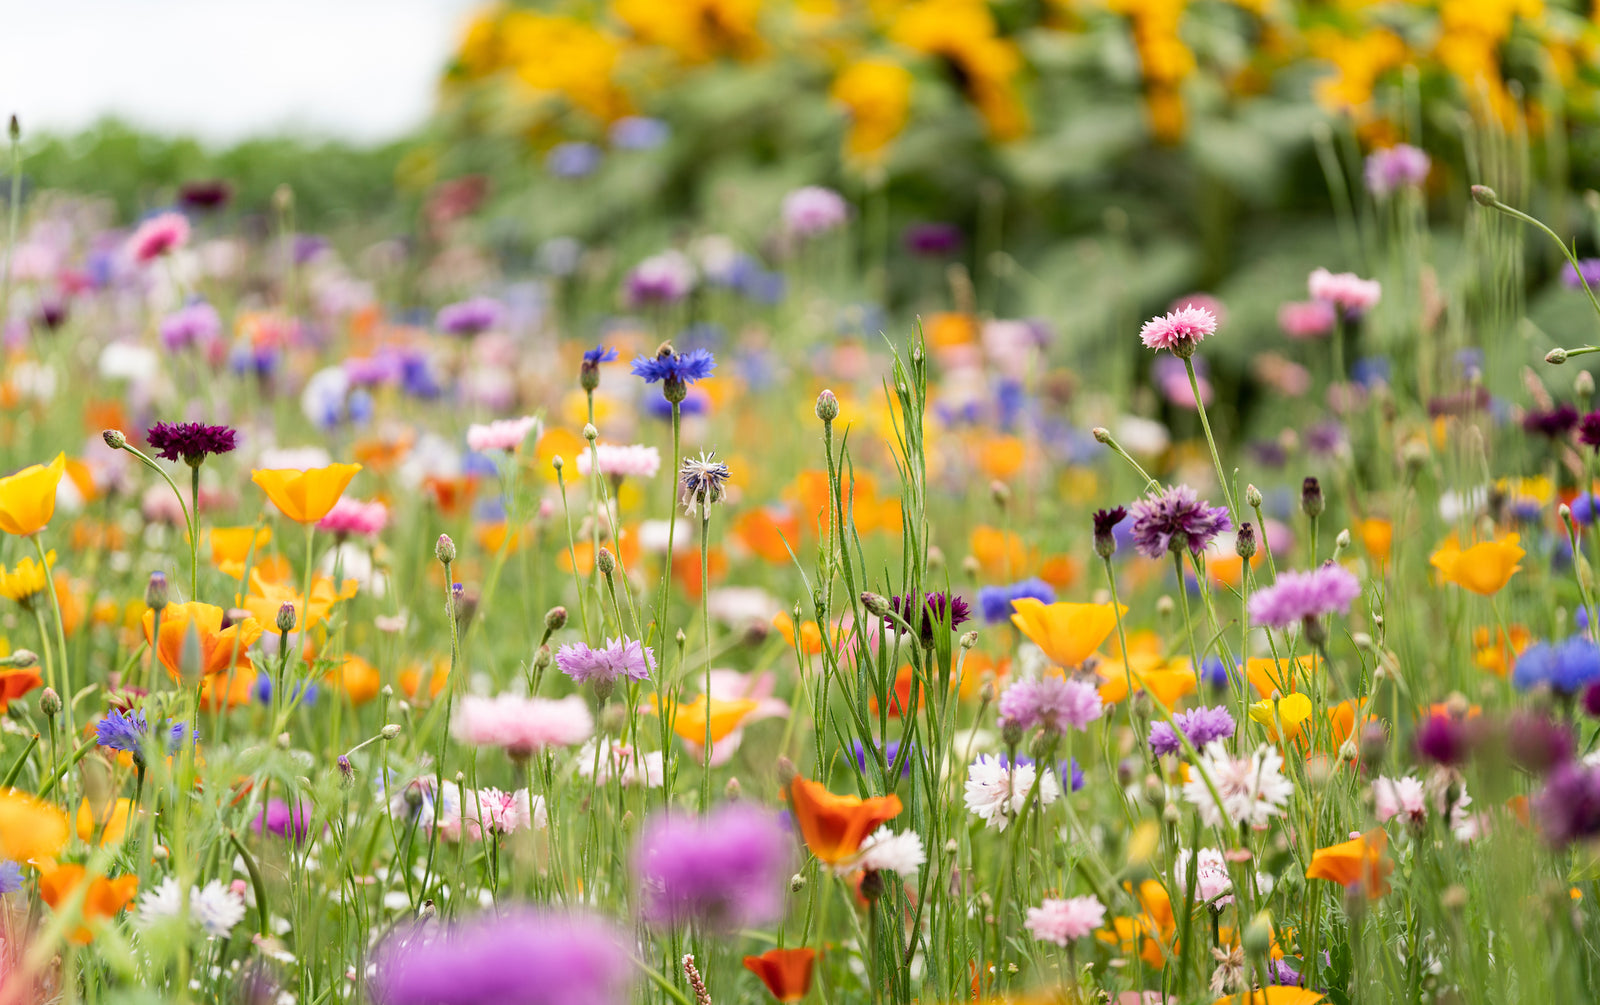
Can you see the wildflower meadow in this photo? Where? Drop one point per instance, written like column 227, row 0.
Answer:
column 920, row 548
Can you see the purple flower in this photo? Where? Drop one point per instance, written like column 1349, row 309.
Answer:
column 10, row 877
column 1299, row 596
column 470, row 317
column 1052, row 702
column 1448, row 739
column 932, row 240
column 619, row 658
column 573, row 160
column 665, row 278
column 813, row 210
column 1557, row 422
column 995, row 601
column 937, row 609
column 204, row 195
column 519, row 956
column 636, row 132
column 190, row 442
column 1537, row 742
column 727, row 869
column 887, row 754
column 1175, row 518
column 599, row 354
column 1587, row 272
column 280, row 819
column 1568, row 809
column 1396, row 167
column 1200, row 726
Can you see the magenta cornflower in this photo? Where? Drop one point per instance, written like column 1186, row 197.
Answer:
column 1053, row 703
column 522, row 726
column 157, row 236
column 519, row 956
column 1063, row 921
column 1180, row 331
column 190, row 442
column 727, row 870
column 1173, row 519
column 1200, row 726
column 1298, row 596
column 936, row 610
column 354, row 518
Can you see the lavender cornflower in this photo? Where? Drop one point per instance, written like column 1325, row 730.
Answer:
column 726, row 870
column 888, row 753
column 622, row 657
column 1175, row 518
column 10, row 877
column 1053, row 703
column 283, row 820
column 190, row 442
column 1587, row 272
column 994, row 602
column 470, row 317
column 1393, row 168
column 675, row 370
column 937, row 608
column 702, row 483
column 519, row 956
column 1200, row 726
column 1304, row 596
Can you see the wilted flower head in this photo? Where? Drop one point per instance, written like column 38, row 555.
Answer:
column 1175, row 518
column 727, row 870
column 702, row 483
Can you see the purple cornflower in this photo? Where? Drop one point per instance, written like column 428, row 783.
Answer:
column 1303, row 596
column 1557, row 422
column 1071, row 774
column 10, row 877
column 1175, row 518
column 813, row 210
column 675, row 371
column 932, row 240
column 1053, row 703
column 1448, row 739
column 726, row 870
column 280, row 819
column 470, row 317
column 1568, row 809
column 192, row 324
column 936, row 610
column 1537, row 742
column 603, row 667
column 1200, row 726
column 190, row 442
column 519, row 956
column 888, row 754
column 1587, row 272
column 1396, row 167
column 994, row 602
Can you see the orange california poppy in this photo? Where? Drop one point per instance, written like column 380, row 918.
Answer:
column 1000, row 553
column 28, row 498
column 30, row 828
column 411, row 678
column 785, row 972
column 1060, row 571
column 1281, row 675
column 834, row 826
column 451, row 494
column 16, row 683
column 382, row 453
column 305, row 496
column 1377, row 536
column 104, row 898
column 901, row 695
column 1278, row 994
column 358, row 679
column 1360, row 860
column 727, row 715
column 229, row 690
column 770, row 532
column 221, row 649
column 1068, row 633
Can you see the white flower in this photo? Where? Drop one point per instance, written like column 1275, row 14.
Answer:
column 127, row 361
column 216, row 908
column 162, row 903
column 996, row 792
column 1253, row 789
column 617, row 759
column 323, row 399
column 900, row 853
column 1211, row 879
column 743, row 605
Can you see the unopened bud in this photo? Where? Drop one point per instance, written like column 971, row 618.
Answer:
column 1258, row 934
column 155, row 591
column 1102, row 434
column 935, row 558
column 590, row 433
column 787, row 772
column 15, row 129
column 972, row 567
column 160, row 853
column 23, row 658
column 969, row 639
column 390, row 731
column 555, row 619
column 872, row 885
column 827, row 406
column 606, row 562
column 445, row 549
column 50, row 702
column 732, row 789
column 876, row 604
column 1164, row 606
column 347, row 771
column 1311, row 501
column 1000, row 493
column 1252, row 497
column 797, row 883
column 115, row 439
column 1343, row 540
column 284, row 740
column 541, row 658
column 1483, row 195
column 557, row 463
column 1244, row 543
column 1583, row 384
column 286, row 617
column 1556, row 356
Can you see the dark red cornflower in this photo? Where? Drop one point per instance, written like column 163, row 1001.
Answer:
column 937, row 607
column 205, row 195
column 190, row 442
column 1555, row 423
column 1447, row 739
column 1589, row 430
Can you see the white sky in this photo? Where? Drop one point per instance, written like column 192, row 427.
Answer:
column 227, row 69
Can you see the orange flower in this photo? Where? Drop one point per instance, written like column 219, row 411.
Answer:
column 28, row 498
column 383, row 453
column 1283, row 676
column 834, row 826
column 358, row 679
column 785, row 972
column 1485, row 568
column 228, row 690
column 1060, row 571
column 305, row 496
column 30, row 829
column 1377, row 536
column 16, row 683
column 1278, row 994
column 221, row 649
column 451, row 495
column 1000, row 553
column 768, row 531
column 231, row 547
column 103, row 899
column 1500, row 658
column 411, row 679
column 1359, row 860
column 810, row 634
column 1068, row 633
column 900, row 696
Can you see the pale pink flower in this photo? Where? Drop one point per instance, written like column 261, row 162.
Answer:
column 1063, row 921
column 501, row 812
column 1180, row 330
column 1351, row 294
column 1204, row 301
column 1392, row 797
column 622, row 762
column 621, row 461
column 522, row 725
column 501, row 434
column 157, row 236
column 354, row 518
column 1211, row 878
column 1306, row 319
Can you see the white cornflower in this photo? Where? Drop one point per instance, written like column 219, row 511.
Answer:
column 996, row 792
column 900, row 853
column 216, row 908
column 1253, row 789
column 162, row 903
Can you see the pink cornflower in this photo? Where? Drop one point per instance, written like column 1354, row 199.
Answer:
column 621, row 461
column 1053, row 702
column 1348, row 292
column 1306, row 319
column 522, row 725
column 1299, row 596
column 157, row 236
column 1063, row 921
column 1396, row 167
column 813, row 210
column 1180, row 331
column 1392, row 797
column 501, row 434
column 501, row 812
column 354, row 518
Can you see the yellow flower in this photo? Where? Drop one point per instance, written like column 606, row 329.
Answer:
column 1292, row 711
column 231, row 547
column 110, row 822
column 31, row 830
column 28, row 498
column 265, row 597
column 727, row 714
column 1485, row 568
column 305, row 496
column 1068, row 633
column 26, row 581
column 876, row 94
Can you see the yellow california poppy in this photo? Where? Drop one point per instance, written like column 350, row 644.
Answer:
column 30, row 829
column 221, row 649
column 265, row 597
column 1485, row 568
column 28, row 498
column 26, row 581
column 1068, row 633
column 1292, row 711
column 305, row 496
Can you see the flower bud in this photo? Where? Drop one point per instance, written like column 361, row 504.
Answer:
column 590, row 433
column 876, row 604
column 827, row 406
column 732, row 790
column 347, row 771
column 390, row 731
column 445, row 549
column 1102, row 435
column 1252, row 497
column 1244, row 543
column 115, row 438
column 1311, row 501
column 797, row 883
column 155, row 591
column 557, row 463
column 1000, row 493
column 969, row 639
column 1342, row 542
column 1483, row 195
column 786, row 771
column 23, row 658
column 935, row 558
column 50, row 702
column 1556, row 356
column 1258, row 934
column 286, row 619
column 872, row 885
column 606, row 562
column 555, row 619
column 15, row 129
column 1583, row 384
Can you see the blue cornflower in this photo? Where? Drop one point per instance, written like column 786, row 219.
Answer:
column 1071, row 774
column 263, row 691
column 10, row 877
column 675, row 371
column 1213, row 673
column 599, row 354
column 995, row 601
column 122, row 730
column 1567, row 667
column 890, row 753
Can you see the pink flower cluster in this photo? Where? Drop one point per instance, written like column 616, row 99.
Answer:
column 520, row 725
column 501, row 434
column 1306, row 319
column 354, row 518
